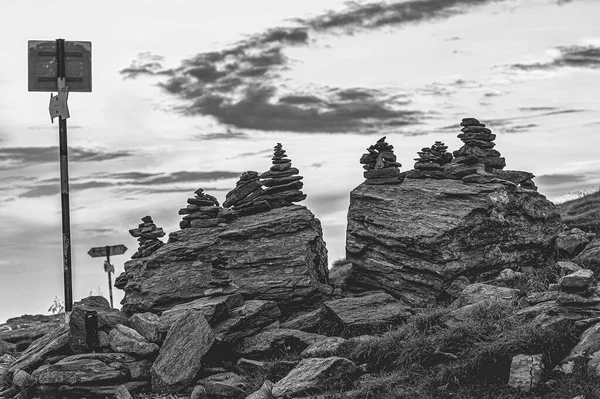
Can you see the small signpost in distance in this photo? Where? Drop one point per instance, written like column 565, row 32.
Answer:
column 61, row 66
column 107, row 251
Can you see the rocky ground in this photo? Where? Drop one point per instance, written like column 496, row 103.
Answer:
column 461, row 281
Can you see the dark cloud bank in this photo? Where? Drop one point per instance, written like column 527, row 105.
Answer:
column 237, row 85
column 573, row 56
column 11, row 157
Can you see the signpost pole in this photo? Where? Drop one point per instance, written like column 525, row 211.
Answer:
column 109, row 279
column 64, row 186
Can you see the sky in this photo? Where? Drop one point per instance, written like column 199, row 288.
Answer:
column 190, row 94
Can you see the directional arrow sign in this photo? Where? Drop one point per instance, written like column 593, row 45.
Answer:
column 97, row 252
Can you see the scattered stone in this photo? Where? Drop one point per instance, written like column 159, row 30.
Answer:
column 283, row 185
column 572, row 242
column 146, row 324
column 148, row 236
column 509, row 275
column 586, row 349
column 22, row 379
column 315, row 375
column 122, row 393
column 485, row 292
column 526, row 372
column 580, row 280
column 264, row 392
column 276, row 342
column 457, row 286
column 126, row 340
column 49, row 345
column 79, row 372
column 309, row 322
column 214, row 309
column 369, row 311
column 251, row 367
column 247, row 320
column 327, row 347
column 380, row 164
column 590, row 256
column 568, row 267
column 225, row 385
column 199, row 392
column 180, row 357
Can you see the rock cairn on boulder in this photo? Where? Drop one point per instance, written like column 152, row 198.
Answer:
column 433, row 158
column 282, row 182
column 148, row 236
column 479, row 146
column 380, row 164
column 243, row 198
column 202, row 211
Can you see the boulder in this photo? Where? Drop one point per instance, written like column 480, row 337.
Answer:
column 478, row 292
column 214, row 309
column 127, row 340
column 590, row 256
column 269, row 343
column 180, row 357
column 567, row 267
column 107, row 319
column 246, row 320
column 315, row 375
column 146, row 324
column 369, row 311
column 19, row 332
column 50, row 344
column 579, row 280
column 572, row 242
column 526, row 372
column 414, row 239
column 327, row 347
column 277, row 255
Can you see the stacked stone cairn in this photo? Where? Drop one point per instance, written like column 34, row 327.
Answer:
column 380, row 164
column 148, row 236
column 431, row 161
column 243, row 199
column 282, row 181
column 478, row 147
column 203, row 210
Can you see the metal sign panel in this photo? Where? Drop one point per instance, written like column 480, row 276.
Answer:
column 43, row 67
column 97, row 252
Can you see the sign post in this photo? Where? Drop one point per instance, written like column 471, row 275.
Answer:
column 108, row 268
column 61, row 66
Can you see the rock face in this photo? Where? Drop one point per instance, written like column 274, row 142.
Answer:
column 414, row 239
column 277, row 255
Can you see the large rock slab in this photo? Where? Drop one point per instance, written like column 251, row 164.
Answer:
column 315, row 375
column 277, row 255
column 180, row 357
column 414, row 239
column 269, row 343
column 78, row 372
column 126, row 340
column 246, row 320
column 50, row 344
column 373, row 310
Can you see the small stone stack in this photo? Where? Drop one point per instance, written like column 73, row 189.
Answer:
column 479, row 146
column 433, row 158
column 148, row 236
column 203, row 210
column 380, row 164
column 243, row 198
column 282, row 182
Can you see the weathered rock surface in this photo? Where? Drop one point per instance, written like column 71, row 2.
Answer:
column 309, row 322
column 146, row 324
column 126, row 340
column 246, row 320
column 78, row 372
column 107, row 319
column 214, row 309
column 526, row 372
column 477, row 292
column 180, row 357
column 586, row 348
column 277, row 255
column 279, row 341
column 53, row 343
column 590, row 256
column 22, row 331
column 313, row 375
column 225, row 385
column 570, row 243
column 327, row 347
column 264, row 392
column 414, row 239
column 368, row 311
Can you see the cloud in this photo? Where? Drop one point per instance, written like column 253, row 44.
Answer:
column 559, row 179
column 519, row 128
column 222, row 135
column 571, row 56
column 11, row 157
column 186, row 177
column 54, row 189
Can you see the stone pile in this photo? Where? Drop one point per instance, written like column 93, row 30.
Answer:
column 244, row 197
column 433, row 158
column 282, row 182
column 479, row 146
column 202, row 211
column 380, row 164
column 148, row 236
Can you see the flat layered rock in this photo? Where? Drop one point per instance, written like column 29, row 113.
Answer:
column 414, row 239
column 77, row 372
column 478, row 292
column 50, row 344
column 180, row 357
column 127, row 340
column 368, row 311
column 247, row 320
column 279, row 341
column 277, row 255
column 327, row 347
column 315, row 375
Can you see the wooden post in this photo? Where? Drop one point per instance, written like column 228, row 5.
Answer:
column 108, row 271
column 64, row 186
